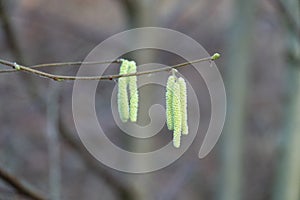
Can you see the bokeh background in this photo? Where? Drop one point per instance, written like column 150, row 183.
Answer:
column 257, row 154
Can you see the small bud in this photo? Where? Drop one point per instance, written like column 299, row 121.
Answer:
column 17, row 67
column 215, row 56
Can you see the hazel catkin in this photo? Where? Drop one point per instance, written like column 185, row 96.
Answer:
column 183, row 103
column 176, row 115
column 133, row 93
column 169, row 102
column 123, row 106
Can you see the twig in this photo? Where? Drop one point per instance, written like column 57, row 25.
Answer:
column 18, row 186
column 107, row 77
column 123, row 191
column 62, row 64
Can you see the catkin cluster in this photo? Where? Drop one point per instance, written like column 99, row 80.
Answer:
column 176, row 108
column 128, row 97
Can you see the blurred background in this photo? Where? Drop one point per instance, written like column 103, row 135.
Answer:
column 41, row 156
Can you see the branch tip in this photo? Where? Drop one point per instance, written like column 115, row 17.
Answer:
column 16, row 66
column 215, row 56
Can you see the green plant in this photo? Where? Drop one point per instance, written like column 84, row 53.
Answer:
column 128, row 97
column 133, row 91
column 128, row 104
column 123, row 105
column 176, row 107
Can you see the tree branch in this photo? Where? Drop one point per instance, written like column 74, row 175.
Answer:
column 123, row 191
column 62, row 64
column 18, row 186
column 34, row 71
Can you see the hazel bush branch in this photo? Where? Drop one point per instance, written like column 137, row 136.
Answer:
column 62, row 64
column 35, row 69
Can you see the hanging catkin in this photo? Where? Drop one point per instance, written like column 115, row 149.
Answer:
column 176, row 115
column 176, row 107
column 183, row 102
column 133, row 93
column 169, row 102
column 123, row 105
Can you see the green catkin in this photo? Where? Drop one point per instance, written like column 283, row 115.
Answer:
column 123, row 105
column 183, row 103
column 133, row 91
column 176, row 115
column 169, row 102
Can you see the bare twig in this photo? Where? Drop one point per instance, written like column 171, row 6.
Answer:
column 106, row 77
column 18, row 186
column 124, row 192
column 121, row 189
column 62, row 64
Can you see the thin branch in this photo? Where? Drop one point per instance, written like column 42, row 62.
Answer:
column 62, row 64
column 123, row 191
column 106, row 77
column 18, row 186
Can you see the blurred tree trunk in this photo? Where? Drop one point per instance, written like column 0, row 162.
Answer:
column 53, row 142
column 237, row 82
column 141, row 13
column 288, row 179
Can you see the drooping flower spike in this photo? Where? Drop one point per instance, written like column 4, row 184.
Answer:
column 176, row 115
column 123, row 105
column 133, row 91
column 128, row 105
column 183, row 103
column 169, row 102
column 176, row 107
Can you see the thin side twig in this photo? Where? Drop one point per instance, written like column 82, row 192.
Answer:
column 123, row 191
column 62, row 64
column 18, row 186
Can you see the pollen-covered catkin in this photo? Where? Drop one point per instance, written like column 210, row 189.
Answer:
column 176, row 115
column 169, row 102
column 183, row 103
column 133, row 91
column 123, row 105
